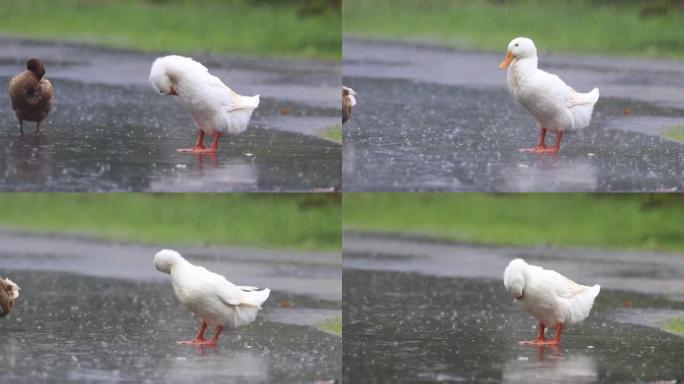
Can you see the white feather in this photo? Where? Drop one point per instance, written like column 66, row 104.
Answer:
column 554, row 104
column 213, row 105
column 547, row 295
column 209, row 295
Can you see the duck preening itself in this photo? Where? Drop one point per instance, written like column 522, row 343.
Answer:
column 552, row 298
column 216, row 301
column 31, row 94
column 215, row 108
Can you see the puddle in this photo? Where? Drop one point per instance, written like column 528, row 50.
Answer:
column 69, row 328
column 409, row 327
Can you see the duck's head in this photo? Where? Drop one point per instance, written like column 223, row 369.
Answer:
column 36, row 66
column 514, row 278
column 161, row 79
column 165, row 259
column 349, row 94
column 518, row 48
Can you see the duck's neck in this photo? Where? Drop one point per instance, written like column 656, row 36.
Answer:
column 525, row 64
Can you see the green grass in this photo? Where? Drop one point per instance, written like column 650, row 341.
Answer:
column 297, row 221
column 675, row 133
column 185, row 27
column 641, row 222
column 581, row 26
column 675, row 325
column 332, row 325
column 333, row 133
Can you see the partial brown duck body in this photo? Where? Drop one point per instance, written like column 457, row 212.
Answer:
column 8, row 292
column 348, row 101
column 31, row 95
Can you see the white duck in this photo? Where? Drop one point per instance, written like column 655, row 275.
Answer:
column 555, row 105
column 215, row 108
column 212, row 298
column 552, row 298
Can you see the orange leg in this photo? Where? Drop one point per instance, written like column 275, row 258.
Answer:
column 214, row 339
column 541, row 145
column 214, row 143
column 540, row 340
column 556, row 147
column 199, row 339
column 199, row 144
column 201, row 148
column 540, row 336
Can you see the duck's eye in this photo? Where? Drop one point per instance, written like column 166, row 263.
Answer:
column 516, row 44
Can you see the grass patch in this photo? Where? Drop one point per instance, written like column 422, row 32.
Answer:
column 629, row 221
column 675, row 325
column 332, row 325
column 186, row 27
column 582, row 26
column 675, row 133
column 297, row 221
column 333, row 133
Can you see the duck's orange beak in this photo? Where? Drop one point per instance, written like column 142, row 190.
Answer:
column 506, row 61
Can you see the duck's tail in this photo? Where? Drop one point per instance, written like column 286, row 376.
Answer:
column 581, row 106
column 582, row 302
column 254, row 297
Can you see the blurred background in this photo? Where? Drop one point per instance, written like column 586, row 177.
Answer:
column 458, row 128
column 619, row 221
column 280, row 221
column 92, row 302
column 423, row 297
column 108, row 131
column 640, row 28
column 305, row 29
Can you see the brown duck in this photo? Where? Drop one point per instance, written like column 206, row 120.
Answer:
column 348, row 101
column 8, row 292
column 31, row 94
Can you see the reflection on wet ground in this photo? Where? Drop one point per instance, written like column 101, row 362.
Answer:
column 406, row 327
column 70, row 328
column 437, row 119
column 108, row 131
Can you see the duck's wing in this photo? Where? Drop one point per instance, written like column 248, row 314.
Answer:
column 227, row 98
column 40, row 94
column 12, row 287
column 6, row 298
column 562, row 286
column 228, row 292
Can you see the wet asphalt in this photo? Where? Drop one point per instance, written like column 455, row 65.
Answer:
column 452, row 320
column 436, row 119
column 109, row 131
column 98, row 312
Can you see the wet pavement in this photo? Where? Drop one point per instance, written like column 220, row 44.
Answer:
column 109, row 131
column 77, row 323
column 452, row 321
column 436, row 119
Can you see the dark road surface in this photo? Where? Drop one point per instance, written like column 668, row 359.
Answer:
column 109, row 131
column 433, row 119
column 415, row 310
column 98, row 312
